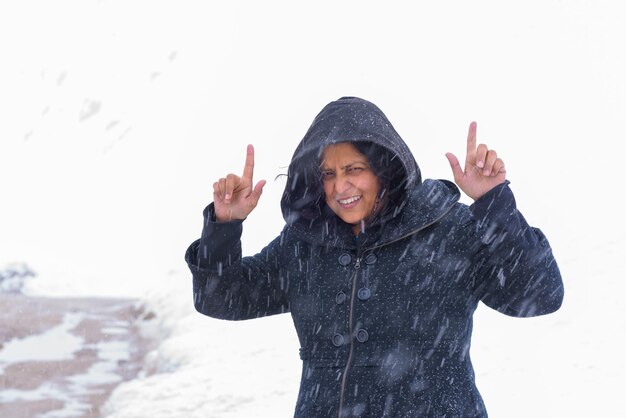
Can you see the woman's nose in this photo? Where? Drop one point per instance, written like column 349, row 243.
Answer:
column 342, row 184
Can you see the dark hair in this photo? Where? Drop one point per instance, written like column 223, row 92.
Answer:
column 385, row 165
column 390, row 172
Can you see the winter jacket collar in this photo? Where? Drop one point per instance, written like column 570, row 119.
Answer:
column 427, row 203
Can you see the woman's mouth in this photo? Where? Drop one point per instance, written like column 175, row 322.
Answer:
column 349, row 202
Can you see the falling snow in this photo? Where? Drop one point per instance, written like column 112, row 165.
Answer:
column 112, row 137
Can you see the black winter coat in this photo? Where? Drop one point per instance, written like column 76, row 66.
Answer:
column 384, row 320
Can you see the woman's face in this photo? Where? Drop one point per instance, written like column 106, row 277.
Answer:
column 350, row 185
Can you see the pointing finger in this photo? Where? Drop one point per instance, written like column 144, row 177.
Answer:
column 470, row 157
column 248, row 169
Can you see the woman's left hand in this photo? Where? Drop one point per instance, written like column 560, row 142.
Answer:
column 483, row 169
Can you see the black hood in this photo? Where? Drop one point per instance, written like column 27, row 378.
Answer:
column 349, row 119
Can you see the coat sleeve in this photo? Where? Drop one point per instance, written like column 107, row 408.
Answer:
column 516, row 272
column 227, row 286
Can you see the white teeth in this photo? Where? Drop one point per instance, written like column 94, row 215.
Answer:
column 349, row 200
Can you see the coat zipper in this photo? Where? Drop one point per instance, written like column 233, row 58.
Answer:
column 357, row 265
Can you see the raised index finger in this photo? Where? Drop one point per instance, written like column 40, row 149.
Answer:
column 471, row 143
column 248, row 169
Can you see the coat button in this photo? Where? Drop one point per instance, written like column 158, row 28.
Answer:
column 371, row 258
column 345, row 259
column 364, row 293
column 337, row 340
column 340, row 298
column 362, row 335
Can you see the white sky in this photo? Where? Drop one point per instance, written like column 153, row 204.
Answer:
column 117, row 116
column 120, row 115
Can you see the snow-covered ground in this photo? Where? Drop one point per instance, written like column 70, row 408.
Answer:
column 73, row 392
column 118, row 116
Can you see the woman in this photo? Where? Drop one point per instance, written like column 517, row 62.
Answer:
column 380, row 270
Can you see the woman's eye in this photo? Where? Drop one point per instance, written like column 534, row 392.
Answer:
column 327, row 174
column 355, row 170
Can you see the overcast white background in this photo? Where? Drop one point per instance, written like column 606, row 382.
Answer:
column 117, row 116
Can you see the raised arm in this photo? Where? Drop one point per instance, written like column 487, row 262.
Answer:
column 229, row 286
column 225, row 284
column 515, row 271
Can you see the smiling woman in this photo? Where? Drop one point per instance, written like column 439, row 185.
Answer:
column 351, row 188
column 381, row 271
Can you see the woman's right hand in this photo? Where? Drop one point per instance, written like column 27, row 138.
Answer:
column 233, row 196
